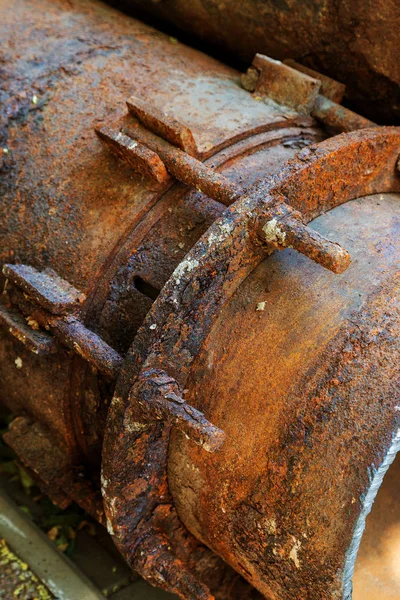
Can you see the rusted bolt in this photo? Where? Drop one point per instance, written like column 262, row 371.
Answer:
column 160, row 399
column 91, row 347
column 338, row 118
column 309, row 242
column 286, row 230
column 46, row 288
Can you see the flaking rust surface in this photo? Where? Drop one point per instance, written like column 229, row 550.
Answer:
column 76, row 81
column 72, row 206
column 308, row 404
column 69, row 205
column 184, row 312
column 207, row 277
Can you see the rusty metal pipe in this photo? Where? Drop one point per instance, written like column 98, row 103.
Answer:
column 232, row 409
column 291, row 498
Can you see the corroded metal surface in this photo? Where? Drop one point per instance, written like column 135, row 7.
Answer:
column 298, row 89
column 70, row 206
column 126, row 268
column 283, row 227
column 116, row 236
column 310, row 394
column 334, row 90
column 282, row 84
column 353, row 42
column 194, row 296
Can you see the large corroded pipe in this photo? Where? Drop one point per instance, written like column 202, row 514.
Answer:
column 308, row 397
column 220, row 400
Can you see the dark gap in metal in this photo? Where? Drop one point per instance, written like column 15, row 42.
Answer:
column 145, row 288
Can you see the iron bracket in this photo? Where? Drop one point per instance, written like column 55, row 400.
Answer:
column 53, row 305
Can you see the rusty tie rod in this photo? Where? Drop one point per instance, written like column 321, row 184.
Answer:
column 146, row 151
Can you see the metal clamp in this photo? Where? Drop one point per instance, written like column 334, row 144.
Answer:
column 56, row 309
column 303, row 90
column 191, row 171
column 161, row 399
